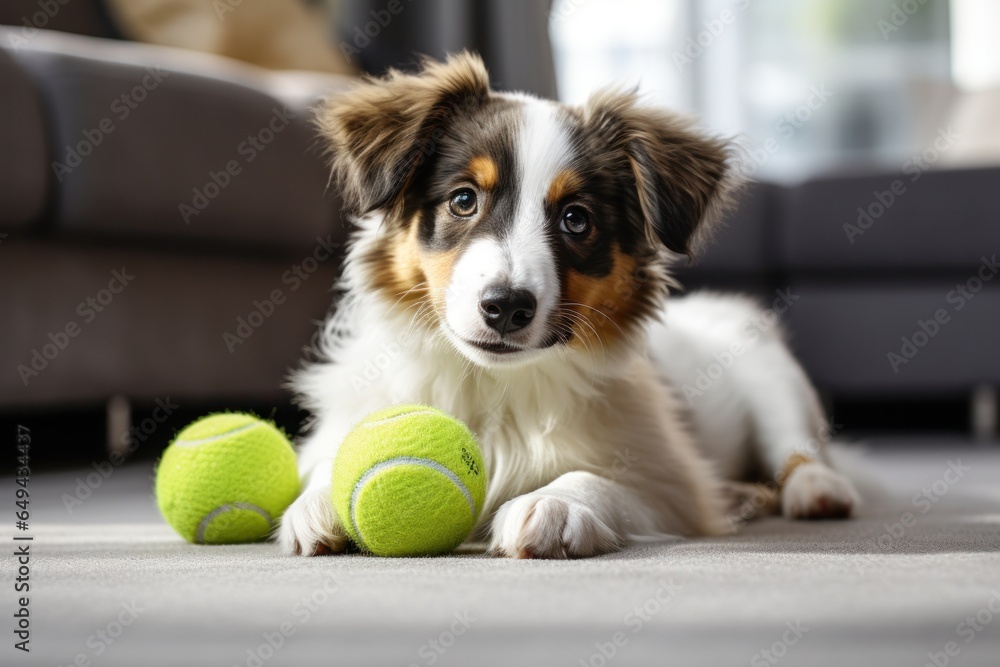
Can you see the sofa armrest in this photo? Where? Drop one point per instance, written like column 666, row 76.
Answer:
column 156, row 143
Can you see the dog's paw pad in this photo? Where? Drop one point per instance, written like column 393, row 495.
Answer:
column 546, row 527
column 814, row 491
column 309, row 527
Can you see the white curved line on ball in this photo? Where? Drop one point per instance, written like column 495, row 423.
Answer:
column 229, row 507
column 220, row 436
column 402, row 461
column 386, row 420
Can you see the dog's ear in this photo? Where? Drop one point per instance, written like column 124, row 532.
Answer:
column 682, row 177
column 381, row 131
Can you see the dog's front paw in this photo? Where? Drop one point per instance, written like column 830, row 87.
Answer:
column 814, row 491
column 543, row 526
column 310, row 526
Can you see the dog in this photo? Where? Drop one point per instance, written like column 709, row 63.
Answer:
column 511, row 266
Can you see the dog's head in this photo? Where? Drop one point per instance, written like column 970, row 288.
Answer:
column 512, row 224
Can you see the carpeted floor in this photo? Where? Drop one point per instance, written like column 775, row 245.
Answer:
column 112, row 585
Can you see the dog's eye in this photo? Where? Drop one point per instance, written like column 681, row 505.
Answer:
column 463, row 203
column 575, row 220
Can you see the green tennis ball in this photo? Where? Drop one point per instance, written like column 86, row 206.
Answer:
column 226, row 479
column 409, row 481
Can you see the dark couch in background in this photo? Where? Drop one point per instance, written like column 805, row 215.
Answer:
column 923, row 268
column 205, row 185
column 223, row 300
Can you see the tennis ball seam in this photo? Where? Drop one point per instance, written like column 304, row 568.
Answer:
column 403, row 415
column 400, row 461
column 228, row 507
column 214, row 438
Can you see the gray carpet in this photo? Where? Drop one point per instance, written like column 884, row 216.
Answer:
column 834, row 593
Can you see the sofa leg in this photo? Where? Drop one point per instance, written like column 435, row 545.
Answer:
column 984, row 413
column 118, row 412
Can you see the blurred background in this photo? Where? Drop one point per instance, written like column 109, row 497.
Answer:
column 893, row 72
column 169, row 242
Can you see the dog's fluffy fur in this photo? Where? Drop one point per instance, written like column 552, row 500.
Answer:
column 589, row 436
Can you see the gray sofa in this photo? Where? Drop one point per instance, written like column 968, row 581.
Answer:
column 863, row 284
column 205, row 183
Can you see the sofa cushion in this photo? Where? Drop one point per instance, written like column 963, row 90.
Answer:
column 160, row 143
column 941, row 220
column 738, row 254
column 24, row 169
column 741, row 241
column 92, row 321
column 898, row 338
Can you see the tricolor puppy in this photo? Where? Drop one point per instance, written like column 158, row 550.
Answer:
column 510, row 266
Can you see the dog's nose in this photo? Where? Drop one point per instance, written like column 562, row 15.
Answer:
column 505, row 309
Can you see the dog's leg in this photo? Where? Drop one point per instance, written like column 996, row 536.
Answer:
column 791, row 435
column 580, row 514
column 310, row 526
column 761, row 396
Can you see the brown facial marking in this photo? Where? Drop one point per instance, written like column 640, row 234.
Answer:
column 395, row 266
column 438, row 267
column 407, row 274
column 564, row 184
column 604, row 307
column 793, row 462
column 484, row 172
